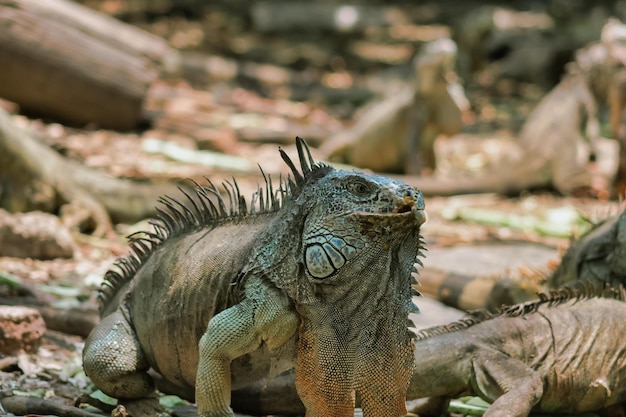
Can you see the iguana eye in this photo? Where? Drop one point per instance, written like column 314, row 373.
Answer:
column 359, row 188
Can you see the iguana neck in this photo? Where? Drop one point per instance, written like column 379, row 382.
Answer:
column 340, row 335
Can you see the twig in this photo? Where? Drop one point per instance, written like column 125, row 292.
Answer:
column 23, row 405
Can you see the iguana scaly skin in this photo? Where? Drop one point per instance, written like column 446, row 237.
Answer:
column 318, row 276
column 598, row 258
column 562, row 354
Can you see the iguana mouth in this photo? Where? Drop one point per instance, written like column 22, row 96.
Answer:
column 410, row 207
column 404, row 211
column 404, row 208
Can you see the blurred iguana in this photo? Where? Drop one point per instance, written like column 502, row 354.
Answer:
column 393, row 136
column 559, row 137
column 398, row 134
column 598, row 258
column 550, row 142
column 316, row 275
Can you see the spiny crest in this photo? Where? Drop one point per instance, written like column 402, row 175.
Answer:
column 307, row 166
column 414, row 282
column 552, row 299
column 206, row 207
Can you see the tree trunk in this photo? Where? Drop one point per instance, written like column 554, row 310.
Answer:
column 63, row 60
column 34, row 177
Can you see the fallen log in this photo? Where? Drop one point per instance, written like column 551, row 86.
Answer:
column 63, row 60
column 23, row 405
column 35, row 177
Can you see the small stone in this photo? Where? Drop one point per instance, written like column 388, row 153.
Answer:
column 35, row 235
column 21, row 329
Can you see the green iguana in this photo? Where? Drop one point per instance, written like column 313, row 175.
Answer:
column 315, row 275
column 563, row 353
column 560, row 354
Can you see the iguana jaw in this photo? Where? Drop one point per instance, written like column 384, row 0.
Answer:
column 411, row 204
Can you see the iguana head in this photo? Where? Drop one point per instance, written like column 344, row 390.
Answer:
column 353, row 217
column 354, row 238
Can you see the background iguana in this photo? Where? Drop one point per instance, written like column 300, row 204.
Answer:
column 597, row 258
column 560, row 135
column 398, row 134
column 551, row 140
column 316, row 274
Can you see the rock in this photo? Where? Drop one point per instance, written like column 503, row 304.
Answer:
column 34, row 235
column 21, row 329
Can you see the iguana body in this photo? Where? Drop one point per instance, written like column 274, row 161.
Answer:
column 318, row 277
column 597, row 258
column 550, row 138
column 561, row 354
column 397, row 135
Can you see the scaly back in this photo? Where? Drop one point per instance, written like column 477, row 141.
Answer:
column 207, row 208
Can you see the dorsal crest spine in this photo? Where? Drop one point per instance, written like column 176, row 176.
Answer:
column 552, row 299
column 206, row 207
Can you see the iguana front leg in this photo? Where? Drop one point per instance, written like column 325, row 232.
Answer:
column 512, row 387
column 264, row 318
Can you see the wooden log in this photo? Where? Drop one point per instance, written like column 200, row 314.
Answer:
column 34, row 177
column 62, row 60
